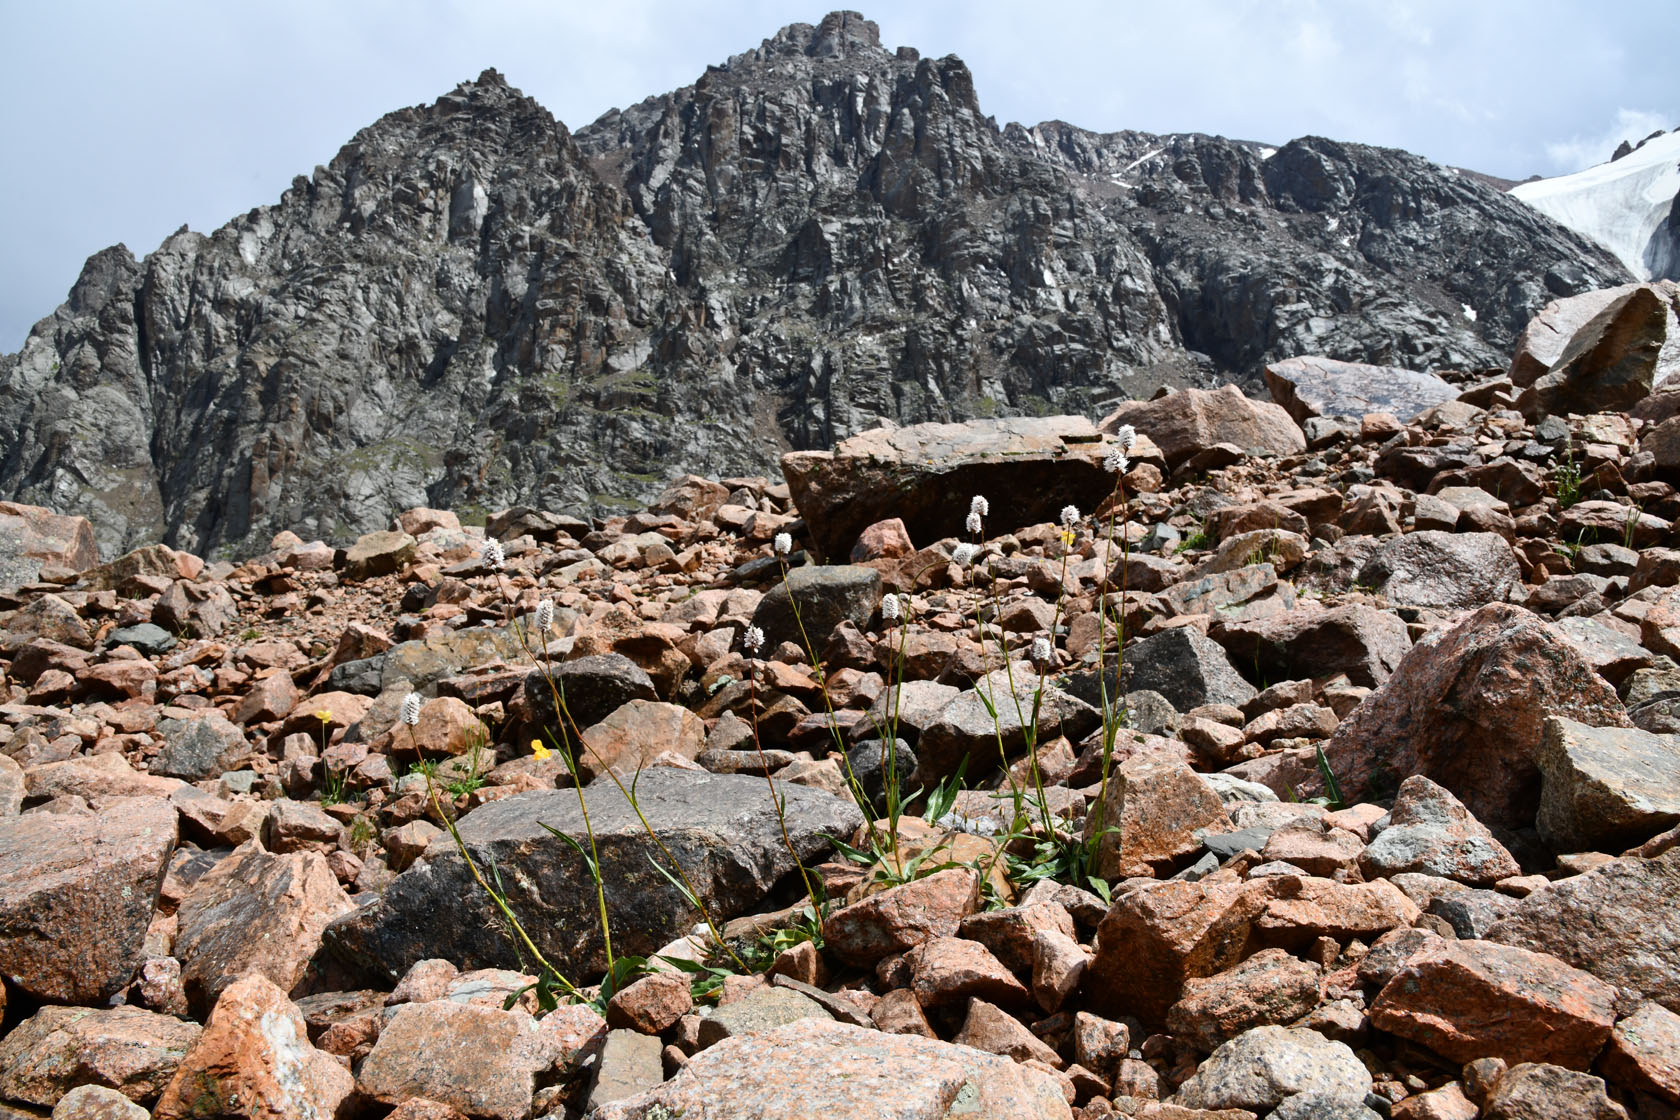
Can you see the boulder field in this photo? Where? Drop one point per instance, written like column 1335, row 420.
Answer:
column 1322, row 759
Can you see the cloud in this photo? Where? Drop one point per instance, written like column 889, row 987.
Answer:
column 1580, row 152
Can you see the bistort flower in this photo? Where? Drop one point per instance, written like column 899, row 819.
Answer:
column 411, row 708
column 963, row 555
column 1070, row 516
column 752, row 640
column 545, row 615
column 492, row 554
column 1041, row 650
column 1116, row 461
column 783, row 544
column 1126, row 437
column 891, row 609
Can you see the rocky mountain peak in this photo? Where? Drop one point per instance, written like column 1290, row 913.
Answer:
column 471, row 307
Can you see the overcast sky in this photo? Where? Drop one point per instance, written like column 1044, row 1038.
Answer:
column 122, row 121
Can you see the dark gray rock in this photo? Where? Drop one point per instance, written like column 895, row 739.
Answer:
column 148, row 638
column 592, row 688
column 470, row 306
column 1361, row 641
column 196, row 749
column 1186, row 668
column 993, row 717
column 807, row 606
column 364, row 677
column 871, row 762
column 721, row 829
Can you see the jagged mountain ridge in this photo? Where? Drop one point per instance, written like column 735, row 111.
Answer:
column 472, row 307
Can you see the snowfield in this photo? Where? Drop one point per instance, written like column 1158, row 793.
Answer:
column 1621, row 204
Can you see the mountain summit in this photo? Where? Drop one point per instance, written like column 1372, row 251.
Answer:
column 472, row 307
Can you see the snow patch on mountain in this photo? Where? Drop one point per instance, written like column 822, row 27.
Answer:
column 1625, row 205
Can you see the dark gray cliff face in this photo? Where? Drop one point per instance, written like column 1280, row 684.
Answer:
column 469, row 307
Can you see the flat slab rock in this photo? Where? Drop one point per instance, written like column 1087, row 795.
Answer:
column 924, row 474
column 1311, row 386
column 815, row 1070
column 722, row 829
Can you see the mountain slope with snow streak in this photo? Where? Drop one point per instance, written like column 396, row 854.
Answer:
column 1631, row 206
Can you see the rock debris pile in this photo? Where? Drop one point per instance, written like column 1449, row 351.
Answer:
column 1322, row 764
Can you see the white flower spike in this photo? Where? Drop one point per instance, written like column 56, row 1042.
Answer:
column 1070, row 516
column 752, row 640
column 963, row 555
column 411, row 709
column 1041, row 651
column 783, row 544
column 891, row 609
column 545, row 615
column 492, row 554
column 1126, row 437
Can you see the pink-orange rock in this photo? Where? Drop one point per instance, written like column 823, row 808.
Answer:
column 1466, row 708
column 33, row 537
column 1271, row 988
column 902, row 917
column 638, row 732
column 124, row 1048
column 1011, row 932
column 995, row 1031
column 900, row 1012
column 815, row 1068
column 270, row 698
column 651, row 1004
column 1154, row 805
column 1644, row 1052
column 946, row 971
column 1475, row 999
column 481, row 1060
column 447, row 728
column 884, row 540
column 1185, row 422
column 1300, row 909
column 255, row 912
column 76, row 897
column 254, row 1060
column 1183, row 930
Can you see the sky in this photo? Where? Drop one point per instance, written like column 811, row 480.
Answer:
column 123, row 121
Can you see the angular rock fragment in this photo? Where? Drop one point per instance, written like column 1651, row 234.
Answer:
column 722, row 829
column 1465, row 708
column 76, row 897
column 1473, row 999
column 254, row 1059
column 831, row 1069
column 1605, row 789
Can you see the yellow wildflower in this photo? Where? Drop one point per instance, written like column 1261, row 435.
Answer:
column 540, row 752
column 324, row 716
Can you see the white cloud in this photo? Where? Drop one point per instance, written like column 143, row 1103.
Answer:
column 1580, row 152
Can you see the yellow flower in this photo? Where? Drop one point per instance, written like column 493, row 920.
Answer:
column 539, row 752
column 1067, row 538
column 324, row 716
